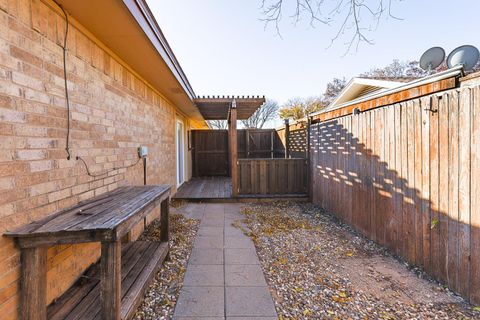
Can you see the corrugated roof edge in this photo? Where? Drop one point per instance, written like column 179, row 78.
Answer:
column 141, row 11
column 450, row 73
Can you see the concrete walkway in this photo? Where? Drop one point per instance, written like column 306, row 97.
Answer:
column 224, row 279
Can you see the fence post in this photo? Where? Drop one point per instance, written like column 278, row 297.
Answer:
column 287, row 139
column 309, row 162
column 247, row 143
column 271, row 145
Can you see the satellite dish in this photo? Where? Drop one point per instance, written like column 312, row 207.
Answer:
column 467, row 56
column 432, row 58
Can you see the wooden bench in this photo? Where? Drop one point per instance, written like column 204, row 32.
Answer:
column 111, row 289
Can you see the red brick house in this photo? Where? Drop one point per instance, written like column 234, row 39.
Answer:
column 126, row 89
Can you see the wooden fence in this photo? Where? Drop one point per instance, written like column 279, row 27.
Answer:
column 406, row 176
column 259, row 143
column 272, row 176
column 297, row 141
column 210, row 149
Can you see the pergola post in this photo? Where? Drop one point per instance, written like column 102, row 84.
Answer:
column 232, row 134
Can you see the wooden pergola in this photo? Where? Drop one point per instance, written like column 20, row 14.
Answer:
column 230, row 108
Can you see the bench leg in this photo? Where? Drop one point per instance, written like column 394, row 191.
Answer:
column 164, row 231
column 34, row 284
column 111, row 280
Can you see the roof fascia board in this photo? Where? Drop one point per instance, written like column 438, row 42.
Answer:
column 142, row 14
column 378, row 83
column 342, row 93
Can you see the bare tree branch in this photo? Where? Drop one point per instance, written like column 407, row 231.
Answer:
column 358, row 17
column 218, row 124
column 263, row 114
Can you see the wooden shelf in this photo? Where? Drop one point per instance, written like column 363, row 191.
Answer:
column 140, row 262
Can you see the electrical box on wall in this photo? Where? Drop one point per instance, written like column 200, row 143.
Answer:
column 143, row 151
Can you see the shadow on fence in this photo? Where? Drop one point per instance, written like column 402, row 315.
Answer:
column 398, row 175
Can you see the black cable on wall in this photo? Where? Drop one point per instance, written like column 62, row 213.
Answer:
column 96, row 175
column 64, row 47
column 67, row 98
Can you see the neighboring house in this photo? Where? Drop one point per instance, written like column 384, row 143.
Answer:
column 126, row 90
column 360, row 87
column 360, row 90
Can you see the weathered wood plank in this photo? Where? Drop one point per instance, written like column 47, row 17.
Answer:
column 434, row 163
column 263, row 176
column 425, row 104
column 354, row 174
column 475, row 198
column 388, row 178
column 411, row 192
column 452, row 254
column 417, row 167
column 464, row 196
column 133, row 297
column 110, row 280
column 349, row 169
column 34, row 283
column 444, row 182
column 403, row 183
column 164, row 224
column 397, row 179
column 375, row 135
column 364, row 172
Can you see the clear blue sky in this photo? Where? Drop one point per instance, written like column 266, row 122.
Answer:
column 224, row 49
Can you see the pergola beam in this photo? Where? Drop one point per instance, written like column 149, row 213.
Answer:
column 217, row 108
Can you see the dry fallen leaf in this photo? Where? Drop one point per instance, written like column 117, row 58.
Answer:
column 302, row 250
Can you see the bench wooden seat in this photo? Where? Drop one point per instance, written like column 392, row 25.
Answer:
column 106, row 219
column 140, row 262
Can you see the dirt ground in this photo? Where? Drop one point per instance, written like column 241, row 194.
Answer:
column 318, row 267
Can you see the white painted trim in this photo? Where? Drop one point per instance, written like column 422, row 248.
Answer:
column 380, row 84
column 177, row 164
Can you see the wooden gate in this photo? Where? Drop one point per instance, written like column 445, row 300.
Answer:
column 272, row 176
column 210, row 153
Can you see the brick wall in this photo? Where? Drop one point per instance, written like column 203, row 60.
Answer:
column 113, row 111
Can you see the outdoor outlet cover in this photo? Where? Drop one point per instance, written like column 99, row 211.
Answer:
column 142, row 151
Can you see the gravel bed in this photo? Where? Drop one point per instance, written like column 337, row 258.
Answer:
column 161, row 297
column 318, row 267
